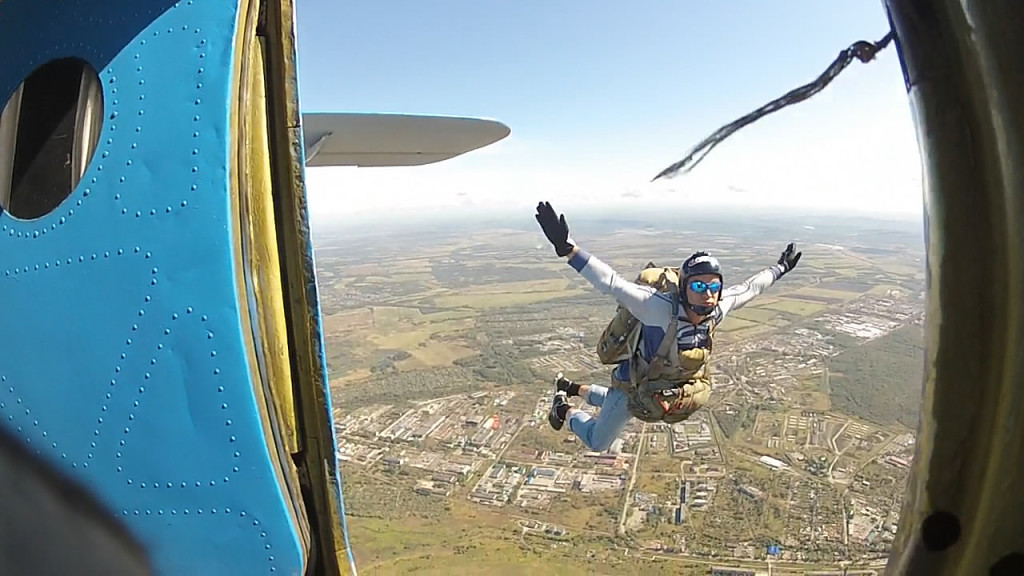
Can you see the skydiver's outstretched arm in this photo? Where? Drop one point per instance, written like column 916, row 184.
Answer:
column 736, row 297
column 644, row 302
column 647, row 304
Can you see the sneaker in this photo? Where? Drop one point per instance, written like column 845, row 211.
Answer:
column 557, row 415
column 562, row 383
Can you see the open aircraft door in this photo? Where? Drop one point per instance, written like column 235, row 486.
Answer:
column 164, row 346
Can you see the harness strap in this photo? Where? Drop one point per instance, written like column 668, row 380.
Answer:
column 668, row 341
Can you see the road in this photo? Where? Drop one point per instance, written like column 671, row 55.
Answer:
column 757, row 565
column 877, row 451
column 832, row 445
column 641, row 443
column 500, row 455
column 717, row 434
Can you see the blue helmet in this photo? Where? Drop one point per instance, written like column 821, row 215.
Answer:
column 698, row 263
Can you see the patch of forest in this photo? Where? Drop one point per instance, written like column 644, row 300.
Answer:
column 881, row 380
column 395, row 387
column 500, row 363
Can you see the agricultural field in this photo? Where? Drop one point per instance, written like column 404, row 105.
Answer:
column 461, row 332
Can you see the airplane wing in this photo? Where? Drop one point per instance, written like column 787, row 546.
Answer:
column 364, row 139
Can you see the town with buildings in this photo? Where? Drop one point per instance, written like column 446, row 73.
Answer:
column 770, row 471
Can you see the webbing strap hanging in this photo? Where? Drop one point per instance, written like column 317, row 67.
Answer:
column 861, row 50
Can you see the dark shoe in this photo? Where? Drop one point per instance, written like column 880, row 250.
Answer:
column 559, row 406
column 563, row 384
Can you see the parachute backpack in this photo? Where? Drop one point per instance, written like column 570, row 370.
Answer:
column 674, row 383
column 619, row 339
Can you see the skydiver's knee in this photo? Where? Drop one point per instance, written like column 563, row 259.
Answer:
column 601, row 442
column 589, row 431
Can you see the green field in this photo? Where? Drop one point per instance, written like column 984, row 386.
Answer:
column 468, row 539
column 498, row 299
column 447, row 315
column 743, row 333
column 409, row 337
column 732, row 323
column 359, row 338
column 827, row 294
column 428, row 354
column 553, row 285
column 754, row 314
column 903, row 269
column 796, row 306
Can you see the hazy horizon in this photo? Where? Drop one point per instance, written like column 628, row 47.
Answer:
column 583, row 220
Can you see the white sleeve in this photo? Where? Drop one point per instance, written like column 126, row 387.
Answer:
column 737, row 296
column 650, row 306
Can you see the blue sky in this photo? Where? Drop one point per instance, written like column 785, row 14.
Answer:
column 601, row 95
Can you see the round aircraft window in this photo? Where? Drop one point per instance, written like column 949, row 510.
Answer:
column 48, row 133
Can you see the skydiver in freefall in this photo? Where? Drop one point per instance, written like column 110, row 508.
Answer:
column 681, row 382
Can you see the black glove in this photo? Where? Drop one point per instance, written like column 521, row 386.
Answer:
column 554, row 228
column 789, row 258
